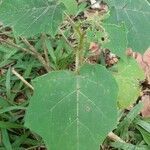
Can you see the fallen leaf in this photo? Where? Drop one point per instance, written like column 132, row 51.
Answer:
column 2, row 72
column 95, row 52
column 95, row 4
column 146, row 109
column 110, row 58
column 146, row 57
column 94, row 47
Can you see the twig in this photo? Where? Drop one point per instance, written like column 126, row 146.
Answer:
column 5, row 33
column 16, row 46
column 31, row 47
column 115, row 137
column 43, row 38
column 36, row 54
column 22, row 78
column 71, row 21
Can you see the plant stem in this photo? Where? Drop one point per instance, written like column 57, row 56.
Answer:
column 79, row 49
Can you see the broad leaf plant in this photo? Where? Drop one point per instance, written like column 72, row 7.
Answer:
column 75, row 110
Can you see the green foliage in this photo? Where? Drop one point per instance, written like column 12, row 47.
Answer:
column 83, row 106
column 5, row 139
column 124, row 125
column 128, row 74
column 135, row 15
column 70, row 109
column 145, row 134
column 6, row 53
column 127, row 146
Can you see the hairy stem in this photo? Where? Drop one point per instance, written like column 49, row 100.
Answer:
column 79, row 49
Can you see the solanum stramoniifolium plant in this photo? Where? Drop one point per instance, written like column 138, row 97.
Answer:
column 75, row 110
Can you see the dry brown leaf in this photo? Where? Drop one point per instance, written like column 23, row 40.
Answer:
column 2, row 71
column 95, row 4
column 94, row 47
column 146, row 109
column 95, row 52
column 146, row 57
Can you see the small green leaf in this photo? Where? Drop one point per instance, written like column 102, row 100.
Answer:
column 73, row 112
column 128, row 75
column 31, row 17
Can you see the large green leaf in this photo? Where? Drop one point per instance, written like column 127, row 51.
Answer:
column 30, row 17
column 136, row 15
column 116, row 39
column 71, row 5
column 73, row 112
column 128, row 75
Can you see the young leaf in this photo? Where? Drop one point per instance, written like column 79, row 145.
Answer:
column 128, row 76
column 135, row 15
column 73, row 112
column 31, row 17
